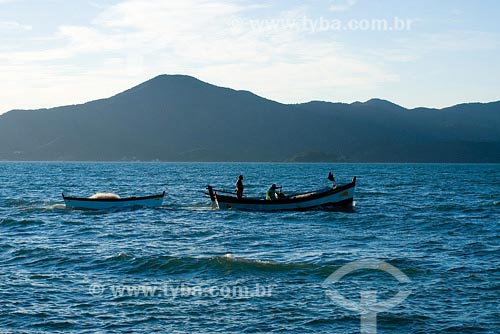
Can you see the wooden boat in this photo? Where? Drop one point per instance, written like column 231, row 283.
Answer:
column 323, row 199
column 112, row 202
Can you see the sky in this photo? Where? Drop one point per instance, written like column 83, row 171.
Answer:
column 411, row 52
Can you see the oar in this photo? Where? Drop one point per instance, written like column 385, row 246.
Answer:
column 224, row 192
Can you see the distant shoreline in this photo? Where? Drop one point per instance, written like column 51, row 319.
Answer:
column 249, row 162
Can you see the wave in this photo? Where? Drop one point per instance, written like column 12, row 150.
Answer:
column 20, row 222
column 227, row 263
column 371, row 193
column 55, row 207
column 35, row 256
column 202, row 207
column 230, row 264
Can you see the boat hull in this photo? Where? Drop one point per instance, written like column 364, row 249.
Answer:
column 113, row 203
column 326, row 199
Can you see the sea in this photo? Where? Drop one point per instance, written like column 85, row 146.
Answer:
column 418, row 253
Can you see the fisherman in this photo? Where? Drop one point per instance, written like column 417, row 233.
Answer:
column 271, row 194
column 239, row 187
column 332, row 179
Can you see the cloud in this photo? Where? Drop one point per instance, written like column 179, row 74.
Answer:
column 135, row 40
column 289, row 82
column 342, row 5
column 454, row 41
column 202, row 33
column 459, row 41
column 13, row 25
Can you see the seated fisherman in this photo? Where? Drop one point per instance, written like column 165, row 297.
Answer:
column 271, row 194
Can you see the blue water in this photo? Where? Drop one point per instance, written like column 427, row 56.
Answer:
column 63, row 270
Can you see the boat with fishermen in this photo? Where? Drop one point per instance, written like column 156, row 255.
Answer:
column 336, row 196
column 104, row 201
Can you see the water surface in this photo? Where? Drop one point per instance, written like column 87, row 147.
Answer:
column 60, row 269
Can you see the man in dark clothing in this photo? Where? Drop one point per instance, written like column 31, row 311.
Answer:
column 271, row 194
column 239, row 187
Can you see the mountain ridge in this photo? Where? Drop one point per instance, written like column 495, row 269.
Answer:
column 181, row 118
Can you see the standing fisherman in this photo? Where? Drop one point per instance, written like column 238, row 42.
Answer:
column 239, row 187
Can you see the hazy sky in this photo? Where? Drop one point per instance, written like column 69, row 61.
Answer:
column 412, row 52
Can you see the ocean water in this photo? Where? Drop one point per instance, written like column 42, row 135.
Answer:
column 185, row 268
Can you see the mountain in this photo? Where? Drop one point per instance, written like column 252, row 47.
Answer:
column 180, row 118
